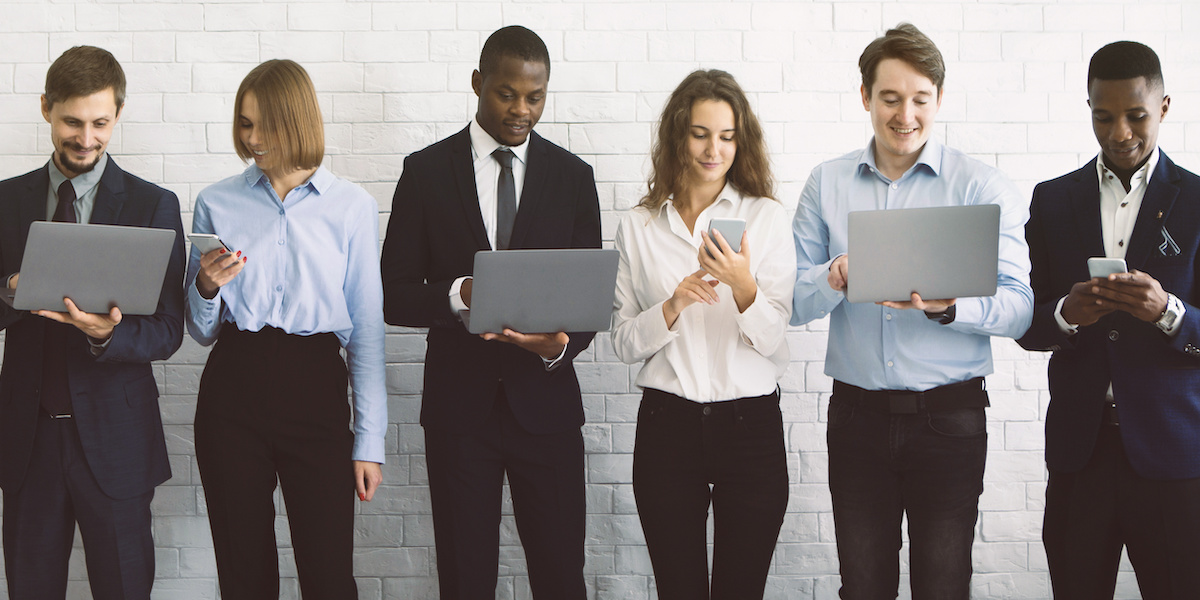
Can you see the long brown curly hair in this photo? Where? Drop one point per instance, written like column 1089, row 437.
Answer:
column 751, row 169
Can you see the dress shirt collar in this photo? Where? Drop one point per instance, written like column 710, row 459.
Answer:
column 483, row 144
column 931, row 157
column 1140, row 176
column 84, row 182
column 319, row 182
column 728, row 195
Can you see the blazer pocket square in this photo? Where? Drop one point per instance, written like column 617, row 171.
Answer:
column 1168, row 247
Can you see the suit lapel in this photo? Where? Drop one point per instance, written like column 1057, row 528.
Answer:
column 464, row 177
column 110, row 195
column 1156, row 208
column 1085, row 209
column 532, row 191
column 33, row 205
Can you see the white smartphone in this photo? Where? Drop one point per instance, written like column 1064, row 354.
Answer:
column 1100, row 266
column 731, row 230
column 207, row 242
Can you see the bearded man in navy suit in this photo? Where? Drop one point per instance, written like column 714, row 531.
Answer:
column 1123, row 424
column 81, row 438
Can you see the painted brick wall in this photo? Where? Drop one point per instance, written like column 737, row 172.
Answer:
column 394, row 77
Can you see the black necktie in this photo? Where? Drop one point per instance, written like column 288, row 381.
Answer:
column 56, row 392
column 65, row 211
column 506, row 198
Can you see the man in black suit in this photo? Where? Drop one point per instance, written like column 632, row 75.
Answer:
column 81, row 439
column 1123, row 425
column 505, row 402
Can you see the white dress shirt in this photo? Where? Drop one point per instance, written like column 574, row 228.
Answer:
column 713, row 352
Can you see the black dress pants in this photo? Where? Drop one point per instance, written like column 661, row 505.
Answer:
column 546, row 478
column 688, row 455
column 1092, row 514
column 273, row 408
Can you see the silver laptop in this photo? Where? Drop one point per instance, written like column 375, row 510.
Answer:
column 96, row 266
column 542, row 291
column 942, row 252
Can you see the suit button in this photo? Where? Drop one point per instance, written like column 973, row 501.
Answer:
column 1114, row 335
column 707, row 410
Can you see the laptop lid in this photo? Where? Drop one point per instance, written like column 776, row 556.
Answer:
column 940, row 252
column 542, row 291
column 96, row 266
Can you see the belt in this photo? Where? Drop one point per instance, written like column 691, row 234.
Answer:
column 971, row 393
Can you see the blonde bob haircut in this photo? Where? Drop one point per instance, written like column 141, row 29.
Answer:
column 289, row 115
column 751, row 169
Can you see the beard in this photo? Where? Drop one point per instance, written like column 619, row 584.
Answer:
column 77, row 167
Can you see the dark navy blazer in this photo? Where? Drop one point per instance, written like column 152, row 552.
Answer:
column 433, row 234
column 1155, row 378
column 114, row 396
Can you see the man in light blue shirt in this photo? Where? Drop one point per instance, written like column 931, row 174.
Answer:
column 906, row 419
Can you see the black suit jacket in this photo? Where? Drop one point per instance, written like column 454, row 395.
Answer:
column 114, row 396
column 1155, row 378
column 432, row 237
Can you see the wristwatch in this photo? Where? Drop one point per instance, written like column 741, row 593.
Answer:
column 945, row 317
column 1170, row 316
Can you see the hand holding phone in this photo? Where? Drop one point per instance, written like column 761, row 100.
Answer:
column 731, row 230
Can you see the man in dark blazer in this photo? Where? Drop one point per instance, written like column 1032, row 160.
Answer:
column 505, row 402
column 81, row 438
column 1123, row 424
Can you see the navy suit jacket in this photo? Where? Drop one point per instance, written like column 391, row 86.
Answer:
column 1155, row 378
column 114, row 396
column 433, row 234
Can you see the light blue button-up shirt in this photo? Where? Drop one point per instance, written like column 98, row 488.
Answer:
column 875, row 347
column 313, row 268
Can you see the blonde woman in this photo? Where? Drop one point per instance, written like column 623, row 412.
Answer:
column 299, row 283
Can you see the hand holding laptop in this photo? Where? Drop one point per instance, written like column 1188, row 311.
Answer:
column 545, row 345
column 98, row 326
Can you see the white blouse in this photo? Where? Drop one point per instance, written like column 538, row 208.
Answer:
column 713, row 352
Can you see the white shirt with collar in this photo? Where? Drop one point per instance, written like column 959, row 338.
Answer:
column 712, row 352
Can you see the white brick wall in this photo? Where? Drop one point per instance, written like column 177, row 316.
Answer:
column 395, row 76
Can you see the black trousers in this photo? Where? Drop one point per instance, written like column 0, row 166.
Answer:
column 1092, row 514
column 546, row 479
column 687, row 455
column 273, row 408
column 39, row 525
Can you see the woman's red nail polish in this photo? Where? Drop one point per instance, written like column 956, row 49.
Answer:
column 222, row 251
column 362, row 496
column 239, row 253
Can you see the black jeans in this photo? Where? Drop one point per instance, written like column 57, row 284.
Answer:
column 928, row 464
column 682, row 448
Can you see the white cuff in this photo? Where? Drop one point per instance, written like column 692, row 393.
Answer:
column 552, row 363
column 456, row 302
column 1066, row 327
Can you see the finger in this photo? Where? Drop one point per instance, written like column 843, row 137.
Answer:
column 917, row 302
column 52, row 315
column 745, row 245
column 700, row 274
column 372, row 485
column 359, row 482
column 115, row 315
column 724, row 243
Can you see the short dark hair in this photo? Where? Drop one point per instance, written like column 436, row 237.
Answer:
column 908, row 44
column 1125, row 60
column 515, row 41
column 83, row 71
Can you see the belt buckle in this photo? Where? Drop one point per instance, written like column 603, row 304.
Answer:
column 903, row 404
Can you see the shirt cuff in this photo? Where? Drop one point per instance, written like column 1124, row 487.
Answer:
column 98, row 348
column 1063, row 325
column 456, row 302
column 368, row 448
column 553, row 363
column 8, row 281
